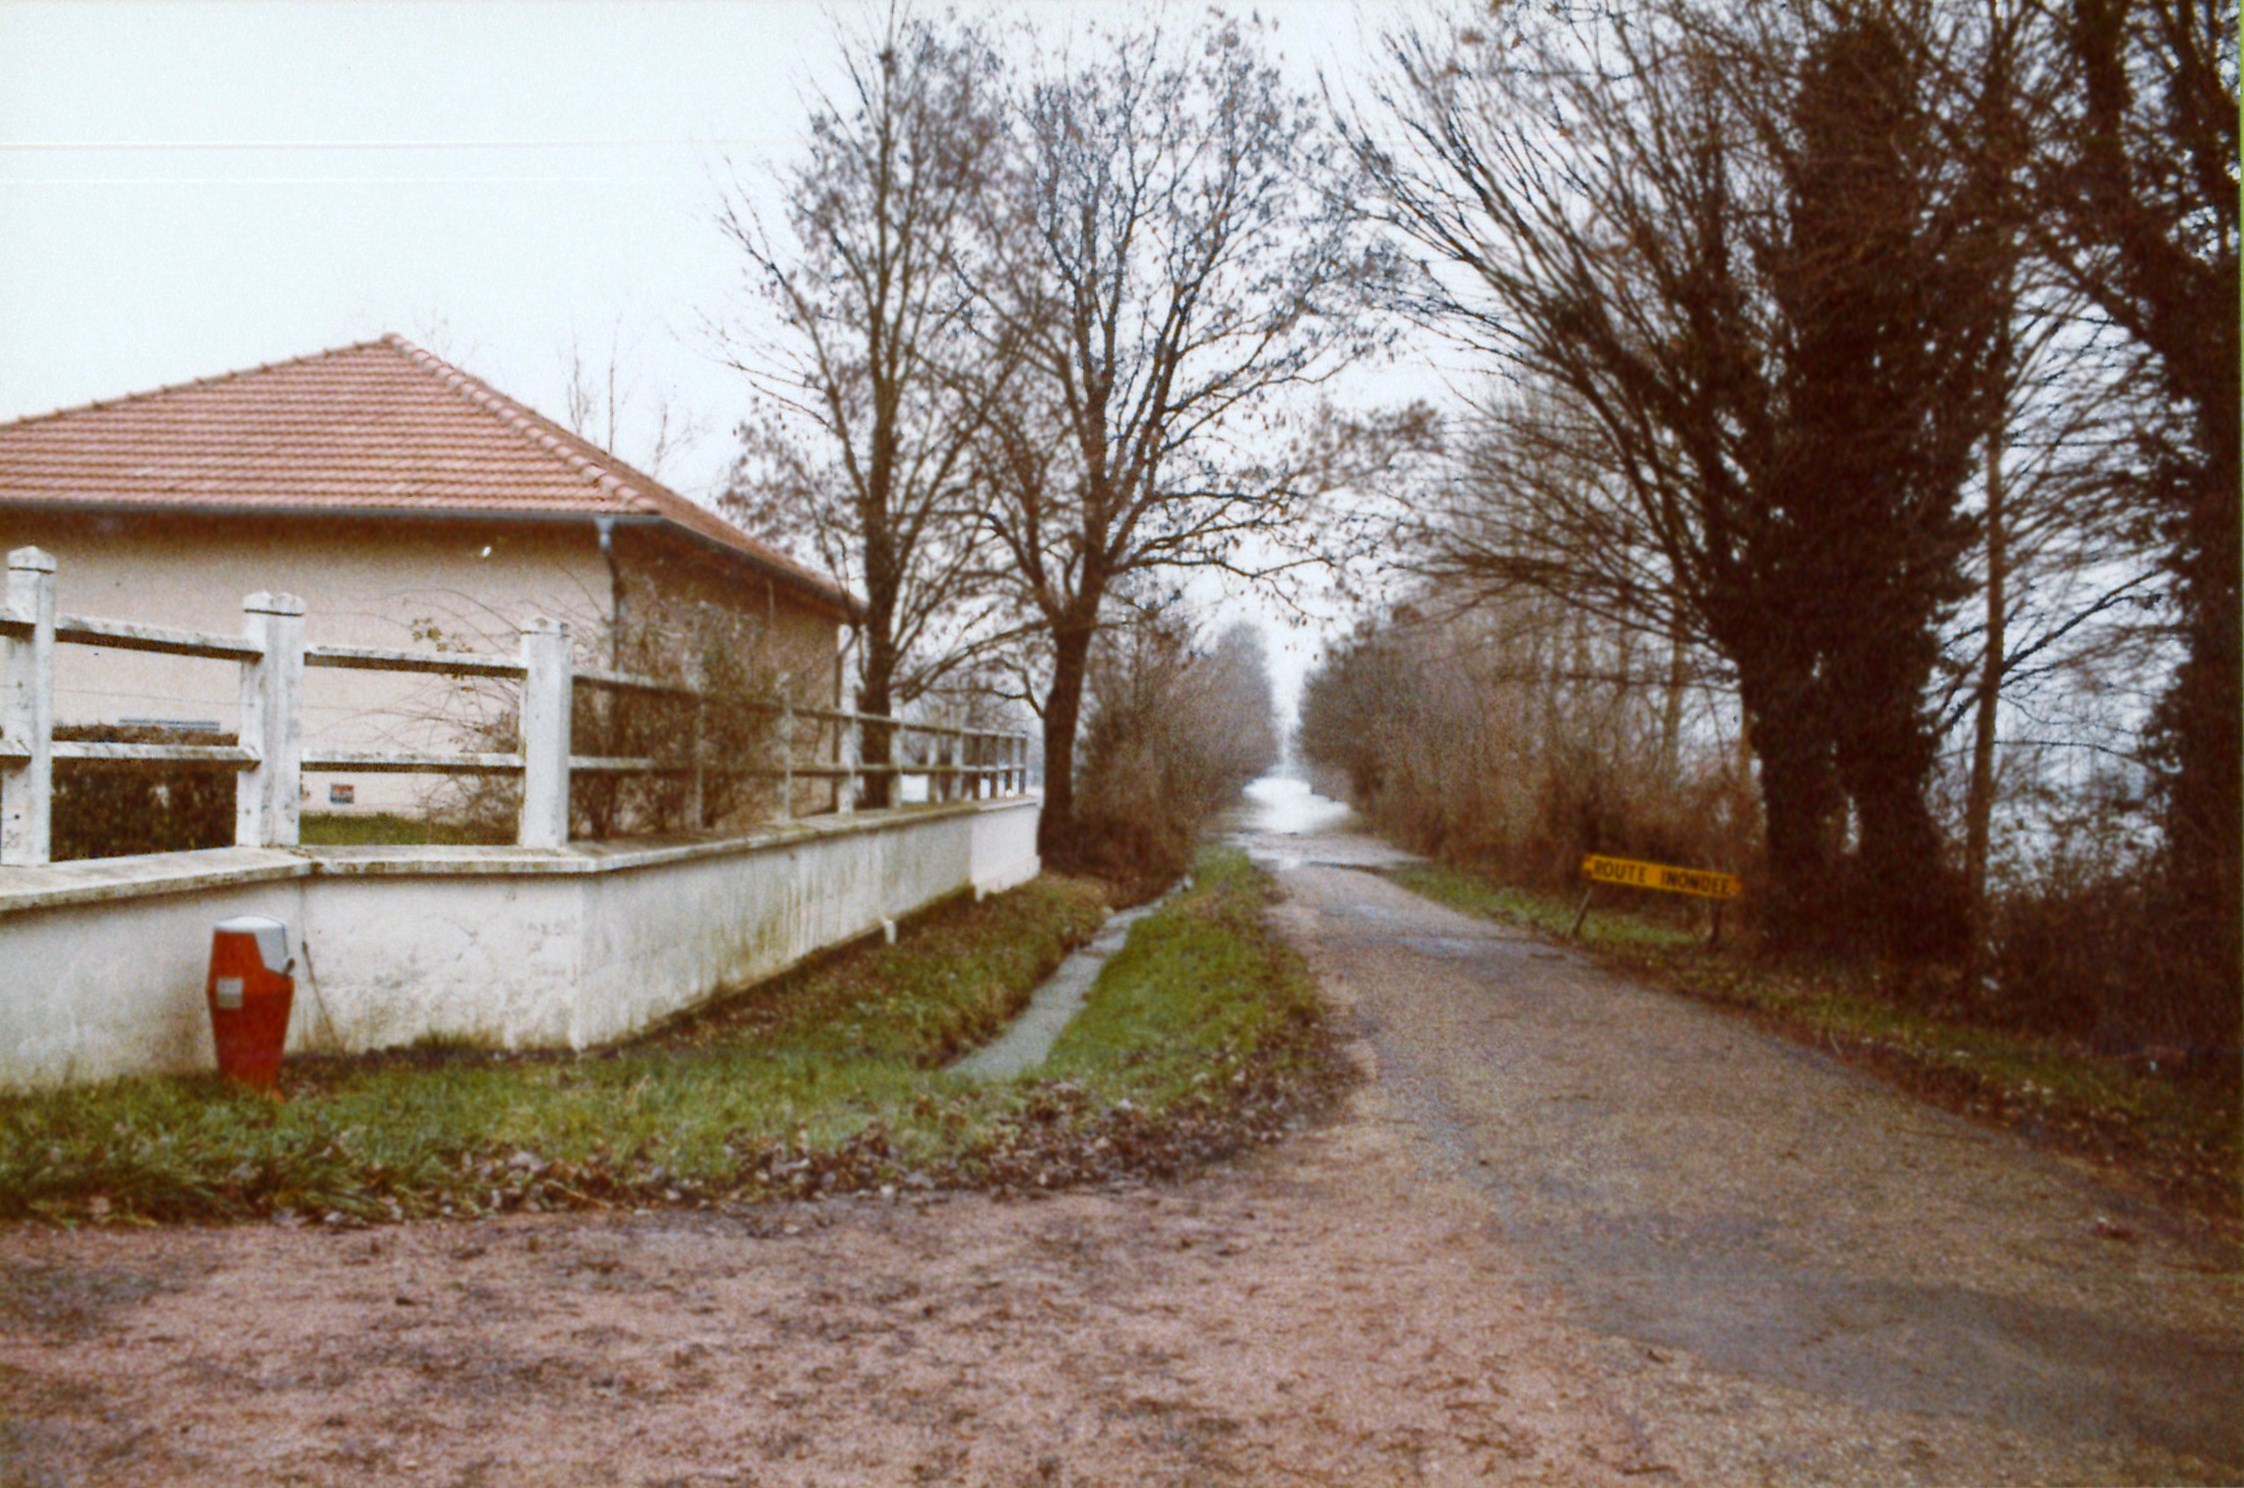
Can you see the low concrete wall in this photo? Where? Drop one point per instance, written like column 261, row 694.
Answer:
column 102, row 963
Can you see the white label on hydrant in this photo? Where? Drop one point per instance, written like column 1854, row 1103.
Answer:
column 229, row 992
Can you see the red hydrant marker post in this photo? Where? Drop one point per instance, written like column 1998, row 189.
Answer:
column 250, row 992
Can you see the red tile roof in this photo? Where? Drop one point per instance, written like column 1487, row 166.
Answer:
column 382, row 428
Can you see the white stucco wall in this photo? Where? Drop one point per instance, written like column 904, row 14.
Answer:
column 102, row 964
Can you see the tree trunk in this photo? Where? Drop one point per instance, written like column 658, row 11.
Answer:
column 2195, row 738
column 1905, row 890
column 1671, row 712
column 1904, row 894
column 875, row 695
column 1979, row 804
column 1800, row 805
column 1063, row 711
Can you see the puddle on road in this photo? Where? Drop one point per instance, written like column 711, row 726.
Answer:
column 1285, row 807
column 1284, row 825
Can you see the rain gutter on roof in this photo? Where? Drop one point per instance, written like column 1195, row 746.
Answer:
column 851, row 607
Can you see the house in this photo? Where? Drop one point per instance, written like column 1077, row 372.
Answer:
column 407, row 504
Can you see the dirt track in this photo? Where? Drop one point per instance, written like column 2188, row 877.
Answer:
column 1572, row 1231
column 1314, row 1317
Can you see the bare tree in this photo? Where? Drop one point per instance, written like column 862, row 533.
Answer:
column 602, row 402
column 599, row 403
column 1183, row 270
column 1523, row 732
column 2137, row 204
column 879, row 382
column 1175, row 730
column 1729, row 260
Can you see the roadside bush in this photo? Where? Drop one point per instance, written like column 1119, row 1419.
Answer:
column 109, row 809
column 2061, row 955
column 1173, row 735
column 1519, row 738
column 2096, row 960
column 2087, row 940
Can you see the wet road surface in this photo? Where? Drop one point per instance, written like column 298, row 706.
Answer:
column 1828, row 1278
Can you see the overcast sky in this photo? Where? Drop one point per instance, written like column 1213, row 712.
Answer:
column 189, row 189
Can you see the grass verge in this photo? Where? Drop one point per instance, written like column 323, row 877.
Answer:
column 2173, row 1133
column 1204, row 1034
column 386, row 829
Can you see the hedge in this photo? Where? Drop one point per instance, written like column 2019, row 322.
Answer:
column 109, row 808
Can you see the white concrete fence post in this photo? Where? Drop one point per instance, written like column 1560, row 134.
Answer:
column 548, row 674
column 267, row 805
column 696, row 782
column 27, row 710
column 786, row 748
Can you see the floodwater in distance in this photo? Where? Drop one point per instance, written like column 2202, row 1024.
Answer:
column 1286, row 806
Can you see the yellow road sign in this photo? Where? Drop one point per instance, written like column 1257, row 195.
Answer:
column 1630, row 873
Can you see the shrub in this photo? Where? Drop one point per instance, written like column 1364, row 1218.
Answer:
column 1519, row 737
column 112, row 808
column 722, row 652
column 2097, row 959
column 1173, row 735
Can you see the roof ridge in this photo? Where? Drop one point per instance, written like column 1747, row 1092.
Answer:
column 534, row 428
column 101, row 404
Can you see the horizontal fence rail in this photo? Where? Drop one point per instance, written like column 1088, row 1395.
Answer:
column 119, row 636
column 270, row 758
column 443, row 663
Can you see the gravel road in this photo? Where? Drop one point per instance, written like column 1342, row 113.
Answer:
column 1795, row 1271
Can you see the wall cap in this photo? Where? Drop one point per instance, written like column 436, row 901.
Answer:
column 103, row 880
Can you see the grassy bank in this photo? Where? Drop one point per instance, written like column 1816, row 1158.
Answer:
column 825, row 1080
column 1204, row 1035
column 2172, row 1132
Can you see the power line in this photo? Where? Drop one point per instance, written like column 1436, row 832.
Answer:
column 253, row 180
column 72, row 147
